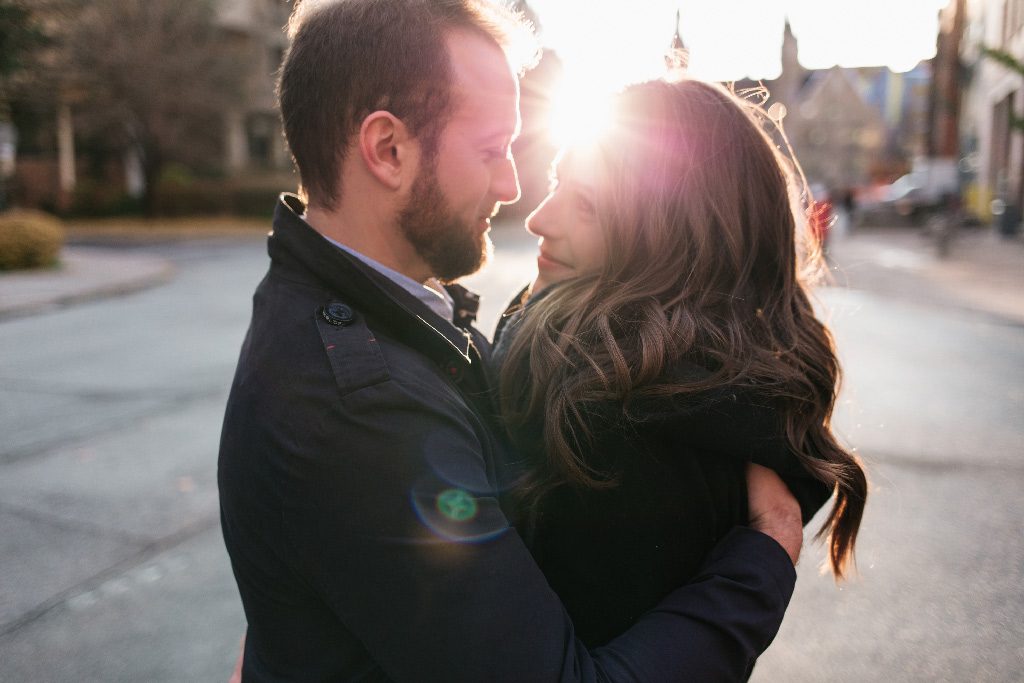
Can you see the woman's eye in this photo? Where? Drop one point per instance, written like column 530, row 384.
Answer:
column 585, row 205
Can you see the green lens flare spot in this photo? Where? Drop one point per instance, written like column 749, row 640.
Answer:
column 456, row 505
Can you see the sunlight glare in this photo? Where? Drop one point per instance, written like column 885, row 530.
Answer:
column 732, row 39
column 897, row 34
column 603, row 46
column 580, row 112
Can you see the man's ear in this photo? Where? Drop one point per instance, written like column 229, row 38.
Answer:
column 387, row 148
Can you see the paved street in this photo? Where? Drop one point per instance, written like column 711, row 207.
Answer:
column 111, row 561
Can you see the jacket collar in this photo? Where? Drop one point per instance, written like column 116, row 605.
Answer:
column 294, row 243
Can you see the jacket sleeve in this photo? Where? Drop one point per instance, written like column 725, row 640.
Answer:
column 391, row 520
column 734, row 422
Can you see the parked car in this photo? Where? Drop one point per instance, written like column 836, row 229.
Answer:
column 931, row 185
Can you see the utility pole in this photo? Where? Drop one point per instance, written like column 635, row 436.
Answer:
column 943, row 139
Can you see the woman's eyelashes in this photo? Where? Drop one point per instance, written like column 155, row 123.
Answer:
column 580, row 194
column 584, row 204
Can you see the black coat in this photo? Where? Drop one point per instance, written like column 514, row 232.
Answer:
column 357, row 474
column 677, row 467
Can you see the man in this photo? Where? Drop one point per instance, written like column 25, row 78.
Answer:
column 359, row 464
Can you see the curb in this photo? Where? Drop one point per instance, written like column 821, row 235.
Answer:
column 85, row 274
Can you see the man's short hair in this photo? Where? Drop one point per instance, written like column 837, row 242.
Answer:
column 349, row 58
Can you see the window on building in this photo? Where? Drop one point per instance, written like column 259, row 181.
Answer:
column 260, row 129
column 1000, row 160
column 1013, row 19
column 276, row 57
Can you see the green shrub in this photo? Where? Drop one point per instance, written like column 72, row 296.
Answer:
column 29, row 239
column 256, row 199
column 92, row 199
column 177, row 175
column 212, row 196
column 198, row 198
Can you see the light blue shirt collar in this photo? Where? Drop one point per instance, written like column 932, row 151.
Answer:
column 438, row 300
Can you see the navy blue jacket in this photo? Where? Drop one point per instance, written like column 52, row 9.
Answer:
column 677, row 471
column 359, row 473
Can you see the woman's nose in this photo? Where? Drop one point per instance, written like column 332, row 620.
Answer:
column 539, row 221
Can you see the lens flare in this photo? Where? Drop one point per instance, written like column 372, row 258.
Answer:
column 581, row 112
column 456, row 505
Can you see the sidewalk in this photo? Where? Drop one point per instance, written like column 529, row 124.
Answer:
column 983, row 272
column 97, row 271
column 84, row 274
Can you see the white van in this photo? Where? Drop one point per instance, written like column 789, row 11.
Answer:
column 926, row 188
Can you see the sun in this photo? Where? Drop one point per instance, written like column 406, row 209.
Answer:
column 581, row 110
column 595, row 65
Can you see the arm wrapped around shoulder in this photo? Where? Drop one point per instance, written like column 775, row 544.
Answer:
column 734, row 421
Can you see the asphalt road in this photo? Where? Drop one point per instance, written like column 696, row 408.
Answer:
column 111, row 561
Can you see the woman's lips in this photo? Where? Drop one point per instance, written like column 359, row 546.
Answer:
column 546, row 261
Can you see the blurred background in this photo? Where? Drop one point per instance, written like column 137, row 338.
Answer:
column 140, row 158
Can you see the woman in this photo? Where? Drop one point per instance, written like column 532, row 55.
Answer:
column 667, row 339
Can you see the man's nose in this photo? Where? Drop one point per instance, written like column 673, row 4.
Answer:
column 505, row 182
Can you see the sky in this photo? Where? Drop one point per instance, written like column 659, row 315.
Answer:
column 732, row 39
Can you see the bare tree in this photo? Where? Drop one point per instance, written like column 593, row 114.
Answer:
column 153, row 76
column 20, row 38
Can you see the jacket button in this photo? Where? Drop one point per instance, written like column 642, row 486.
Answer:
column 338, row 314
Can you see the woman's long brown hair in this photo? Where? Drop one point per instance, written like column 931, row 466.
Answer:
column 700, row 213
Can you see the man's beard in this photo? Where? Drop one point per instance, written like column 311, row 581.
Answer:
column 446, row 243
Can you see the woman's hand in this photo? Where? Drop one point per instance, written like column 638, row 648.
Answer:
column 773, row 509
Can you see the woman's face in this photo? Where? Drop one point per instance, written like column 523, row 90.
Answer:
column 571, row 242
